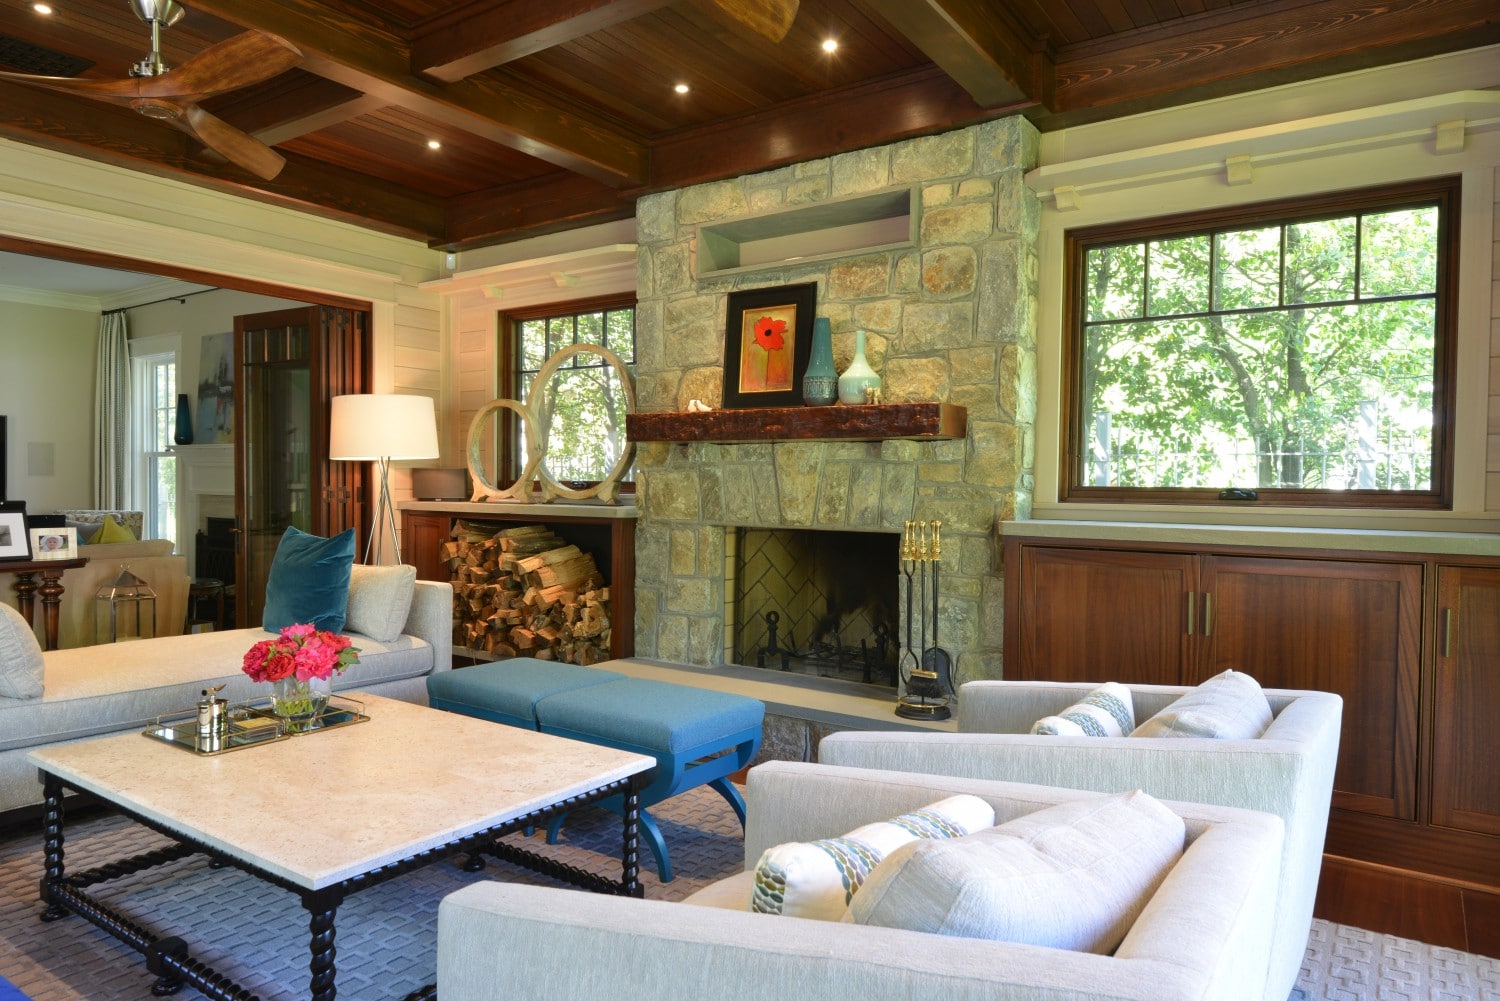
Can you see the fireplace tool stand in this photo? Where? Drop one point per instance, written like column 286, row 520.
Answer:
column 925, row 675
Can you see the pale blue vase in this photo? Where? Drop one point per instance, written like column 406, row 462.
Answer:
column 859, row 377
column 820, row 384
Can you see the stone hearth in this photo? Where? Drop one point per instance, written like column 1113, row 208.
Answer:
column 950, row 319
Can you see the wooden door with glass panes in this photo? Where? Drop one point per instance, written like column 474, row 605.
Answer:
column 291, row 363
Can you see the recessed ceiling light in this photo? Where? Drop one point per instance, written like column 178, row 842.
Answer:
column 42, row 8
column 681, row 88
column 434, row 144
column 830, row 45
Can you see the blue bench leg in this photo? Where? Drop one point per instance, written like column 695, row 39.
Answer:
column 732, row 795
column 648, row 830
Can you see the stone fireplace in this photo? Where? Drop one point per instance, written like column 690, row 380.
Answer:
column 949, row 317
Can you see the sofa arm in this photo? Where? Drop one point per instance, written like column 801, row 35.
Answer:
column 431, row 619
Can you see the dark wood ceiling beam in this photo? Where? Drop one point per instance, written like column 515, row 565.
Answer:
column 105, row 134
column 535, row 207
column 342, row 48
column 476, row 36
column 884, row 111
column 977, row 44
column 310, row 105
column 1250, row 46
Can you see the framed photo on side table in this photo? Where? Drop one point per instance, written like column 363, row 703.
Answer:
column 14, row 544
column 767, row 341
column 54, row 543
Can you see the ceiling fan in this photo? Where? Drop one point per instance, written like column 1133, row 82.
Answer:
column 172, row 95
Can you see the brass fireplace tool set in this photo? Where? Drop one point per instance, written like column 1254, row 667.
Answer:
column 927, row 676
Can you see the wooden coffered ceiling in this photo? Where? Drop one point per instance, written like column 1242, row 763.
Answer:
column 553, row 114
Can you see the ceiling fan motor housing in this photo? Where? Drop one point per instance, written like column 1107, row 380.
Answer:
column 159, row 14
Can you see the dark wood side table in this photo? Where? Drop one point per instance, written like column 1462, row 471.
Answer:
column 50, row 588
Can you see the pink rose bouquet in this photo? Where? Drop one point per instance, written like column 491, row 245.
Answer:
column 301, row 652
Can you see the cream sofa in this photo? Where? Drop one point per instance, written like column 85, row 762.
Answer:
column 1288, row 772
column 1204, row 935
column 124, row 686
column 151, row 560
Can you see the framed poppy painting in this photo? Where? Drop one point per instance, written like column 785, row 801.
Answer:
column 767, row 340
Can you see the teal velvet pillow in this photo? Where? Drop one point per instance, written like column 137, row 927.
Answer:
column 309, row 581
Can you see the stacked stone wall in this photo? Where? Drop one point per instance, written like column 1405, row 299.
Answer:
column 951, row 319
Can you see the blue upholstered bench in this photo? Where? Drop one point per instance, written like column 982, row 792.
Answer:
column 698, row 736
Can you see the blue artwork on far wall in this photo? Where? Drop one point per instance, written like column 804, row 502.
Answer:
column 215, row 422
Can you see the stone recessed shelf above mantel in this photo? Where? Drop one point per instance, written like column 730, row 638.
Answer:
column 870, row 422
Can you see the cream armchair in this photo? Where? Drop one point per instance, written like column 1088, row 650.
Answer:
column 1204, row 935
column 1288, row 772
column 151, row 560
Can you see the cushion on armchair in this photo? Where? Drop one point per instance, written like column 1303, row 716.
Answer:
column 1228, row 706
column 1073, row 876
column 110, row 531
column 816, row 879
column 1107, row 711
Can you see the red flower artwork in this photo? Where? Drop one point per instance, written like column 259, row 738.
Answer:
column 768, row 333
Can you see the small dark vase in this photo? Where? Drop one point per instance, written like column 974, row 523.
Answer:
column 183, row 435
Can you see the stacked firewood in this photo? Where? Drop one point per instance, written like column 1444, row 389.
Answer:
column 525, row 592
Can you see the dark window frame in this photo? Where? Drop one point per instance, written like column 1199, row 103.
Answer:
column 1444, row 192
column 509, row 460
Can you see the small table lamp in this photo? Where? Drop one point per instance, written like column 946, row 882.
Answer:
column 381, row 427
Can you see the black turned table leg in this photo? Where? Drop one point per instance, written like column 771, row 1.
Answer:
column 52, row 848
column 630, row 881
column 322, row 907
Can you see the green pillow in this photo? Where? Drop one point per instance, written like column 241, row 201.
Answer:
column 111, row 531
column 309, row 581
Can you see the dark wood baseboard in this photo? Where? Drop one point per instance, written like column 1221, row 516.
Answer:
column 1390, row 901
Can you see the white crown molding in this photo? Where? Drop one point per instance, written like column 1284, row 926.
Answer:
column 55, row 300
column 580, row 273
column 1441, row 121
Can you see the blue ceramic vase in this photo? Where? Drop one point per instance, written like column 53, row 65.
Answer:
column 820, row 384
column 183, row 434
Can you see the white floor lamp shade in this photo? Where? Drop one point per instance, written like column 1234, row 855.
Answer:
column 380, row 428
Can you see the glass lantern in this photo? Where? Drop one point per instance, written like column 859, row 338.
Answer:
column 124, row 609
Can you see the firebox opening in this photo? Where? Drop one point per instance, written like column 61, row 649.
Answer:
column 816, row 603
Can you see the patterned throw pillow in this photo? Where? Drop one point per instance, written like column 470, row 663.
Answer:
column 1107, row 711
column 816, row 879
column 1228, row 706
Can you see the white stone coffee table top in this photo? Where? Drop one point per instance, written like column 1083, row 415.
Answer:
column 326, row 806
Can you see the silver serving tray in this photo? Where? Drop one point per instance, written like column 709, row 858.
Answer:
column 248, row 724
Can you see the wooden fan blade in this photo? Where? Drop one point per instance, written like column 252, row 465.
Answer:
column 236, row 146
column 233, row 63
column 769, row 18
column 236, row 62
column 123, row 91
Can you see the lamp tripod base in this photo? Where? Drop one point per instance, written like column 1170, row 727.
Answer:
column 921, row 708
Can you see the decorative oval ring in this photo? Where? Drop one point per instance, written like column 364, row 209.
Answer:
column 607, row 489
column 484, row 490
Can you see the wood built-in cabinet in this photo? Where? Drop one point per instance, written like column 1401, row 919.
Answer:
column 606, row 533
column 1411, row 641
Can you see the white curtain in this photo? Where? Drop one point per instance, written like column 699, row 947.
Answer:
column 112, row 415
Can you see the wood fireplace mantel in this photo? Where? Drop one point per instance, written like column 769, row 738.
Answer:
column 872, row 422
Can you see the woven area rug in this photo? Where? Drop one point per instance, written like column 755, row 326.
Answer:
column 386, row 936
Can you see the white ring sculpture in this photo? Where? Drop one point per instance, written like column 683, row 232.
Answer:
column 607, row 489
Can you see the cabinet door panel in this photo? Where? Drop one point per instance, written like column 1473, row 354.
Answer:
column 1088, row 615
column 1466, row 722
column 1334, row 626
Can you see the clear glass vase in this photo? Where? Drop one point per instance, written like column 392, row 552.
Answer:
column 299, row 703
